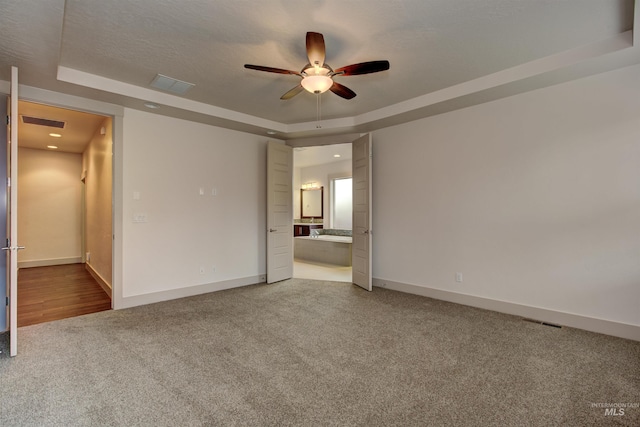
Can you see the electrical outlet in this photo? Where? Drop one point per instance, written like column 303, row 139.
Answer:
column 459, row 277
column 201, row 270
column 213, row 269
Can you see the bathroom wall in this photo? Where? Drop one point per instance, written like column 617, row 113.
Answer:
column 322, row 174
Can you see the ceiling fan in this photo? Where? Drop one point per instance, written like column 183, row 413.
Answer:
column 317, row 76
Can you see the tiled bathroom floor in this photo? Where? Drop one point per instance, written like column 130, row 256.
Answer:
column 307, row 270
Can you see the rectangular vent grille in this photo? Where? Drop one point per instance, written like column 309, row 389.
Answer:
column 42, row 122
column 169, row 84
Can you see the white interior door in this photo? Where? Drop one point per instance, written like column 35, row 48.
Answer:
column 279, row 212
column 361, row 247
column 11, row 248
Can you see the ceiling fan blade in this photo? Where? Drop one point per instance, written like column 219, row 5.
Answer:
column 342, row 91
column 363, row 68
column 315, row 49
column 293, row 92
column 270, row 69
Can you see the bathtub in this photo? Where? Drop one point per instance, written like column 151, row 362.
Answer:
column 325, row 249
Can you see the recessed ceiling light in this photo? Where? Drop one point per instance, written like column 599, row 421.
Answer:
column 271, row 132
column 52, row 147
column 55, row 135
column 336, row 155
column 151, row 105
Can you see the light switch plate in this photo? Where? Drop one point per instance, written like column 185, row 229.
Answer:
column 139, row 217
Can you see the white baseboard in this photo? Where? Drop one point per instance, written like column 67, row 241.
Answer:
column 106, row 286
column 137, row 300
column 607, row 327
column 48, row 262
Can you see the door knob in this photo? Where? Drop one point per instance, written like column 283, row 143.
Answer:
column 272, row 230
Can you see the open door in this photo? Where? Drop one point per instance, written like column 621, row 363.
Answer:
column 12, row 213
column 361, row 247
column 279, row 212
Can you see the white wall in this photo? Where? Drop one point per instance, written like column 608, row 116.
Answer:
column 166, row 161
column 534, row 198
column 49, row 207
column 98, row 169
column 322, row 175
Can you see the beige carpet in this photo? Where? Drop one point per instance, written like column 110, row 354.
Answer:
column 309, row 353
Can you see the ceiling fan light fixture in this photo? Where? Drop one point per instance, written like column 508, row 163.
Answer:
column 317, row 84
column 316, row 79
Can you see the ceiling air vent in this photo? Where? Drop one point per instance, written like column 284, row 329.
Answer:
column 42, row 122
column 169, row 84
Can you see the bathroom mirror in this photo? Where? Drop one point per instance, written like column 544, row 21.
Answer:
column 311, row 202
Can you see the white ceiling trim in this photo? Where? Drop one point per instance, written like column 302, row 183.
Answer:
column 63, row 100
column 534, row 68
column 520, row 72
column 93, row 81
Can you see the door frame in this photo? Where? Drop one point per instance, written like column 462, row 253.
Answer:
column 116, row 112
column 4, row 317
column 12, row 214
column 369, row 232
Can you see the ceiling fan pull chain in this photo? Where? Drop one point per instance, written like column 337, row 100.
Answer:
column 318, row 110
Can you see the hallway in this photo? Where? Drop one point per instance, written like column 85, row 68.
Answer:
column 57, row 292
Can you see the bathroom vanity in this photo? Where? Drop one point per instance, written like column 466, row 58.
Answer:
column 304, row 228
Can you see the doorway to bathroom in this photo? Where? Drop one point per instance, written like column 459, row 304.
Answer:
column 320, row 245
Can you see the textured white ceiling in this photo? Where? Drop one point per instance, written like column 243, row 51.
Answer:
column 432, row 45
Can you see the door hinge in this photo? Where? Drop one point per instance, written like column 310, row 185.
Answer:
column 7, row 304
column 8, row 120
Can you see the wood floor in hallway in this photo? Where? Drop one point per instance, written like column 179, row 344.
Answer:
column 58, row 292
